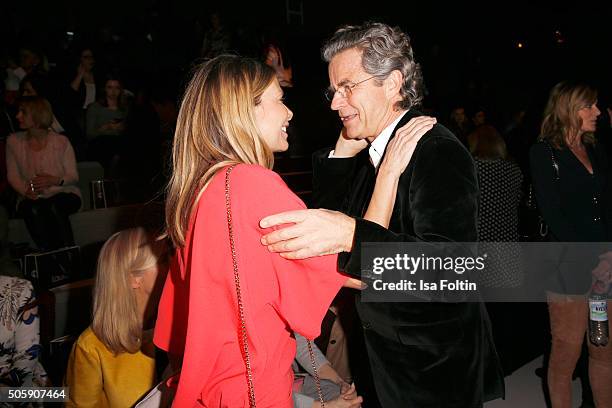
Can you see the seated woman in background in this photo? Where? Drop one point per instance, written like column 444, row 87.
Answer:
column 105, row 122
column 19, row 335
column 64, row 121
column 41, row 168
column 112, row 363
column 336, row 392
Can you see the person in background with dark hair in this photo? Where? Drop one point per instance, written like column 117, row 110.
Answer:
column 105, row 123
column 426, row 354
column 500, row 182
column 460, row 124
column 29, row 61
column 571, row 177
column 83, row 84
column 41, row 168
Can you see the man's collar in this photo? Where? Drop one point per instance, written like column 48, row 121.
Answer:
column 378, row 146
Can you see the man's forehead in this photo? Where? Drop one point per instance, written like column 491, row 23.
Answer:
column 345, row 66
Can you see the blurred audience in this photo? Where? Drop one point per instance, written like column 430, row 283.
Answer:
column 41, row 168
column 217, row 39
column 29, row 61
column 460, row 124
column 112, row 363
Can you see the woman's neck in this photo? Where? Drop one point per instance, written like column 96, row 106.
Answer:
column 112, row 103
column 574, row 139
column 146, row 313
column 37, row 134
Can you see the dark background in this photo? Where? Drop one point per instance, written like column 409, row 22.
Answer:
column 469, row 52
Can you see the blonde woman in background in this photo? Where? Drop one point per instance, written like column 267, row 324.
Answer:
column 112, row 363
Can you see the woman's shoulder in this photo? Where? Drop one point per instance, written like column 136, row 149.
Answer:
column 88, row 341
column 17, row 137
column 258, row 187
column 249, row 177
column 59, row 139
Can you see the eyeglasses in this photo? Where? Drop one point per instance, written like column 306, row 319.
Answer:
column 344, row 91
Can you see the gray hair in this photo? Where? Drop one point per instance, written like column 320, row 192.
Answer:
column 384, row 50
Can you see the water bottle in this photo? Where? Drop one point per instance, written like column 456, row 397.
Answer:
column 598, row 315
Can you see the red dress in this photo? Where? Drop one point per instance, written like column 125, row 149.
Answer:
column 198, row 312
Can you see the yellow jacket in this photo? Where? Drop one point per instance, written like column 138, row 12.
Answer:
column 98, row 378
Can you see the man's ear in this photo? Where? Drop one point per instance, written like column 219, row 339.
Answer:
column 393, row 83
column 135, row 281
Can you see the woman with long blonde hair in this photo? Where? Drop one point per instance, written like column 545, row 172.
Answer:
column 112, row 362
column 571, row 180
column 232, row 118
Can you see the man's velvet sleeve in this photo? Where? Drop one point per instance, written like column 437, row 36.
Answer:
column 437, row 201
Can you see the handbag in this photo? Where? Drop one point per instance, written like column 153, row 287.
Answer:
column 532, row 227
column 52, row 268
column 243, row 335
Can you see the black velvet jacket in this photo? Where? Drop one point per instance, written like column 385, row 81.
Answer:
column 421, row 354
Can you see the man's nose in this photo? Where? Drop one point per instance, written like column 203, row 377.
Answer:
column 338, row 101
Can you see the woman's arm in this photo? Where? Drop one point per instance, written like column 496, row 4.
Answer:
column 398, row 155
column 84, row 378
column 13, row 174
column 71, row 175
column 548, row 194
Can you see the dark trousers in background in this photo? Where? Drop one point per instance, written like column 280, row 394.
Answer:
column 47, row 219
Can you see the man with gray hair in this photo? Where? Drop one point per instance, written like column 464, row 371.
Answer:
column 421, row 354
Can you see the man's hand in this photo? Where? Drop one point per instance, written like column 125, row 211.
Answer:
column 314, row 233
column 603, row 271
column 346, row 147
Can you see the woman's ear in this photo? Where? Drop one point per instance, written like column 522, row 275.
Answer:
column 136, row 281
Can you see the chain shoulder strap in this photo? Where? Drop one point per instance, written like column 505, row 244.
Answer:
column 553, row 158
column 243, row 330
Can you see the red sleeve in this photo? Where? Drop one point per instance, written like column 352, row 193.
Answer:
column 171, row 325
column 306, row 287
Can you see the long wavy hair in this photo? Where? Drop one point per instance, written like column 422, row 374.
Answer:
column 116, row 321
column 561, row 117
column 216, row 127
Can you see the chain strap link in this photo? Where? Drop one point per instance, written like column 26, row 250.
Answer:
column 243, row 331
